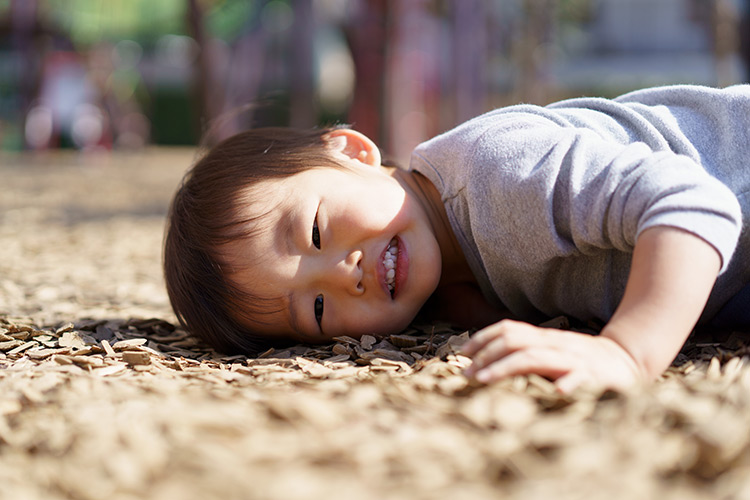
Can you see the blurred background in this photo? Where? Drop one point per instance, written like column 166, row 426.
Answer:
column 122, row 75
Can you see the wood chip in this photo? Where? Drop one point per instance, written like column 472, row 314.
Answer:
column 367, row 341
column 108, row 348
column 383, row 362
column 313, row 368
column 71, row 338
column 341, row 349
column 136, row 357
column 47, row 340
column 110, row 370
column 337, row 359
column 62, row 359
column 67, row 327
column 21, row 335
column 23, row 347
column 345, row 339
column 86, row 361
column 386, row 354
column 10, row 344
column 122, row 345
column 404, row 340
column 45, row 353
column 452, row 346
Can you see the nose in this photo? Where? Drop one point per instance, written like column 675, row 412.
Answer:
column 346, row 272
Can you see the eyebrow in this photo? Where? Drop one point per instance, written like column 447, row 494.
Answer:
column 286, row 233
column 293, row 318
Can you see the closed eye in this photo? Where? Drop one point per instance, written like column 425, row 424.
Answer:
column 319, row 310
column 316, row 233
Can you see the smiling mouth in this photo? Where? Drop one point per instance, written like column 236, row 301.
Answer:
column 390, row 263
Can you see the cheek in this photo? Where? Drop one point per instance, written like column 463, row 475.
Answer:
column 372, row 212
column 382, row 197
column 363, row 319
column 376, row 326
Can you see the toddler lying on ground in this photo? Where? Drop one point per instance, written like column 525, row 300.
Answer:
column 624, row 211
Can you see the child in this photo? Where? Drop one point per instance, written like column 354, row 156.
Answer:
column 623, row 211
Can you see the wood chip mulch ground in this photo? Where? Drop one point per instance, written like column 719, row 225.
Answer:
column 102, row 396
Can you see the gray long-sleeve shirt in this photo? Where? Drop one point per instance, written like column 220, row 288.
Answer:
column 548, row 202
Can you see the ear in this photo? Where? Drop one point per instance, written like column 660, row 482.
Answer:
column 354, row 145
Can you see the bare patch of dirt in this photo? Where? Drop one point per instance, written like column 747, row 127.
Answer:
column 102, row 396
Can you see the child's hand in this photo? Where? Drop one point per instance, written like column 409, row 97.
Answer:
column 670, row 279
column 571, row 359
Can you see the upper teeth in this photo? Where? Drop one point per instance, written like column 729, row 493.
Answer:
column 390, row 261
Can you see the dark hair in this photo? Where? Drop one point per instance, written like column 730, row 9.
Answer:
column 204, row 215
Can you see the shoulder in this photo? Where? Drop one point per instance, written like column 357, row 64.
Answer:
column 679, row 94
column 498, row 134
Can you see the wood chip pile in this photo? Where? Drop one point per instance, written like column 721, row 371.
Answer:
column 102, row 396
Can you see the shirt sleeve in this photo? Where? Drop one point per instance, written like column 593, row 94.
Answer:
column 560, row 190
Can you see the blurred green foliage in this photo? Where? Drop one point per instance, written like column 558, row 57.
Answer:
column 91, row 21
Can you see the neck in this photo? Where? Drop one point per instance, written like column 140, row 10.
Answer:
column 454, row 268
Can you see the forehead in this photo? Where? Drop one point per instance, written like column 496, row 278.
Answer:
column 278, row 193
column 269, row 205
column 263, row 217
column 253, row 255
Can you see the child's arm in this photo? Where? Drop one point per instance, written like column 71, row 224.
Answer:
column 671, row 276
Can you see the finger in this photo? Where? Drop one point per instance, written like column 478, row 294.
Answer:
column 488, row 334
column 516, row 339
column 490, row 353
column 546, row 362
column 513, row 338
column 481, row 339
column 504, row 344
column 568, row 383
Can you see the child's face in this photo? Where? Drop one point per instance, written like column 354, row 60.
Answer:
column 326, row 255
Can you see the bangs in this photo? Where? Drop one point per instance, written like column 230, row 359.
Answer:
column 250, row 308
